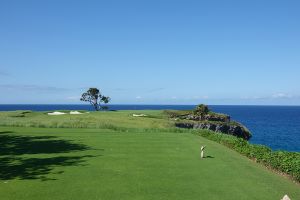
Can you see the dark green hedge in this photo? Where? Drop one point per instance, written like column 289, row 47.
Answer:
column 282, row 161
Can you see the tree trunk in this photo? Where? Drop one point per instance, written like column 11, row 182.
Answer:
column 96, row 107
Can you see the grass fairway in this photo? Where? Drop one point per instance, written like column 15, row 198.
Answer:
column 78, row 164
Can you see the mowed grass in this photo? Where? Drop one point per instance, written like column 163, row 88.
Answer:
column 77, row 164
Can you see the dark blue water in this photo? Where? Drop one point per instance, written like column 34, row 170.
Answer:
column 275, row 126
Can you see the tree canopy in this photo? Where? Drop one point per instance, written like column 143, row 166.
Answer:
column 95, row 98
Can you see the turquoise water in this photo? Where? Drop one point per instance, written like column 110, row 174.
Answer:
column 275, row 126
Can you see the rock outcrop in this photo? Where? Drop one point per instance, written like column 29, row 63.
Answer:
column 209, row 117
column 227, row 128
column 203, row 118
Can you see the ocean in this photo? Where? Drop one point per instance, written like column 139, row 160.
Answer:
column 275, row 126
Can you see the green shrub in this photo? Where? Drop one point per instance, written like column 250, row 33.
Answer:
column 201, row 110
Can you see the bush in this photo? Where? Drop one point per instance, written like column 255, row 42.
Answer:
column 201, row 110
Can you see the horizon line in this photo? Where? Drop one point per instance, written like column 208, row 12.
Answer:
column 3, row 104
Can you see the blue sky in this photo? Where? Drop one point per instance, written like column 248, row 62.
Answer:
column 151, row 52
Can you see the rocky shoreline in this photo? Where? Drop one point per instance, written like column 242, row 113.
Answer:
column 203, row 118
column 237, row 130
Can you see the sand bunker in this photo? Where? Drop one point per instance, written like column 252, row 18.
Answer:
column 75, row 113
column 56, row 113
column 139, row 115
column 62, row 113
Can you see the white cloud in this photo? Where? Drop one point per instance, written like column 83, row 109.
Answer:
column 33, row 88
column 138, row 97
column 73, row 98
column 253, row 97
column 281, row 95
column 273, row 96
column 199, row 97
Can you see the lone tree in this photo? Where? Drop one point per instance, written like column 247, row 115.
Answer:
column 95, row 98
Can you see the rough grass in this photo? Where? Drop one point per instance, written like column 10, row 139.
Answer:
column 116, row 120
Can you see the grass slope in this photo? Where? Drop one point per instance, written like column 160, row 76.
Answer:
column 51, row 163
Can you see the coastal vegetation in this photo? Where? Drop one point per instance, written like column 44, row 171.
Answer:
column 115, row 155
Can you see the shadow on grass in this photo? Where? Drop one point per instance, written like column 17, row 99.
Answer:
column 11, row 144
column 209, row 157
column 35, row 168
column 17, row 151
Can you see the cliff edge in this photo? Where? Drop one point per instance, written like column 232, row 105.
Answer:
column 202, row 118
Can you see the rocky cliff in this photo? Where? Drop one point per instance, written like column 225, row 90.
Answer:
column 209, row 117
column 235, row 129
column 203, row 118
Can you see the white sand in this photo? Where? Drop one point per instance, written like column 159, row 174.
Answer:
column 139, row 115
column 75, row 113
column 56, row 113
column 286, row 197
column 71, row 113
